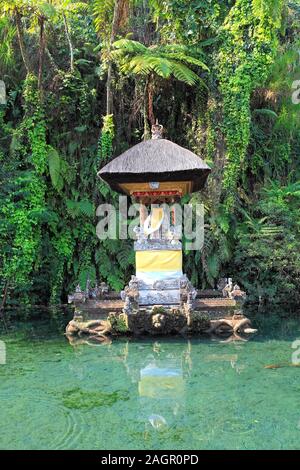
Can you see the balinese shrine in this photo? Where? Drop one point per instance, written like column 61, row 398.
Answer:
column 159, row 298
column 156, row 174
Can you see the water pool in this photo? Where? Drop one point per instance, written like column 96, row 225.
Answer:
column 149, row 394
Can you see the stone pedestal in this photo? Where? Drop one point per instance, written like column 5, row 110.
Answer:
column 172, row 293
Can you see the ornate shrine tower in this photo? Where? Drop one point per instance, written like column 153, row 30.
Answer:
column 157, row 173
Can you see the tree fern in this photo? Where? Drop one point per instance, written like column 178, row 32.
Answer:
column 164, row 61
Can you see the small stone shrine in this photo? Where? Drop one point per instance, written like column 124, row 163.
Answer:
column 159, row 298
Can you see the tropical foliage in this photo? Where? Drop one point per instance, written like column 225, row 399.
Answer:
column 85, row 80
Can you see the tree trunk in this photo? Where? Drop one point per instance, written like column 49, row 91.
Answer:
column 51, row 60
column 4, row 298
column 20, row 35
column 109, row 96
column 120, row 12
column 150, row 100
column 214, row 184
column 145, row 112
column 41, row 51
column 69, row 42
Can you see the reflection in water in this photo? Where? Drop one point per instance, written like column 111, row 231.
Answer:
column 148, row 394
column 161, row 385
column 89, row 340
column 160, row 375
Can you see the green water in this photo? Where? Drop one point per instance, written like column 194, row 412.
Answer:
column 149, row 394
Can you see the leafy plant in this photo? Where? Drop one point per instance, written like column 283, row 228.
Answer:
column 159, row 60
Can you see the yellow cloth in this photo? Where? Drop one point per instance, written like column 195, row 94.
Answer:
column 160, row 260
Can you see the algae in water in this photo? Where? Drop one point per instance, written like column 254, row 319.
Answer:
column 81, row 399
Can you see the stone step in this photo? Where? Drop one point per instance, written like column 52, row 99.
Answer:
column 107, row 306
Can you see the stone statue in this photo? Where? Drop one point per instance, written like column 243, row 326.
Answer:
column 78, row 296
column 233, row 292
column 228, row 288
column 130, row 296
column 221, row 283
column 237, row 293
column 157, row 131
column 103, row 288
column 173, row 234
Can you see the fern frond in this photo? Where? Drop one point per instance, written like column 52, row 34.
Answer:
column 266, row 112
column 83, row 207
column 164, row 61
column 125, row 257
column 185, row 58
column 184, row 74
column 128, row 45
column 137, row 65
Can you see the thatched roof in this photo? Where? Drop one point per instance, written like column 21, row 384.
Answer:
column 155, row 160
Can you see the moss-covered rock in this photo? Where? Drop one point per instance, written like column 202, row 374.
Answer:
column 198, row 321
column 118, row 323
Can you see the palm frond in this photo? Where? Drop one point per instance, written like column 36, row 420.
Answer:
column 102, row 11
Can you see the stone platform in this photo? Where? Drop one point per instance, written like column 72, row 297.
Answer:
column 212, row 314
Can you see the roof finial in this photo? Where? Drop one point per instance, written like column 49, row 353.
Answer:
column 157, row 130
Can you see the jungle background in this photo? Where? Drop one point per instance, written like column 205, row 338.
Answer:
column 85, row 81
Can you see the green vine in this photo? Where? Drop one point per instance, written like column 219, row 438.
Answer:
column 25, row 206
column 248, row 49
column 104, row 150
column 106, row 138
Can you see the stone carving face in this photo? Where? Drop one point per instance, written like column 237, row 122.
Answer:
column 158, row 321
